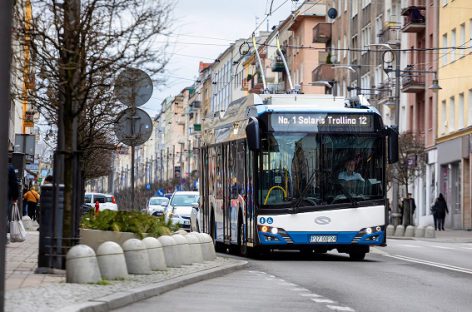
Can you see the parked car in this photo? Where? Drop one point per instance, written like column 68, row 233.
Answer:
column 157, row 205
column 106, row 201
column 180, row 207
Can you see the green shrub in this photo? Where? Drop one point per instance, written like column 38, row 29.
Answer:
column 128, row 221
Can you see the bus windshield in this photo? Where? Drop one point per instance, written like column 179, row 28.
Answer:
column 312, row 169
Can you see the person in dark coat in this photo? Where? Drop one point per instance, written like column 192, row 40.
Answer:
column 439, row 211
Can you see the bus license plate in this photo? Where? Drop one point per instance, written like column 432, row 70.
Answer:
column 323, row 239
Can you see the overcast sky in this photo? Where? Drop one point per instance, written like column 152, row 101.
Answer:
column 205, row 28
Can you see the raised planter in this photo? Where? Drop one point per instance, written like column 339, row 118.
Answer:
column 95, row 238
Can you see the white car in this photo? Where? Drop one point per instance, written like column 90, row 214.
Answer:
column 105, row 201
column 157, row 205
column 180, row 207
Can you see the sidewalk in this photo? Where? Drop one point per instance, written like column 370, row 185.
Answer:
column 26, row 291
column 447, row 236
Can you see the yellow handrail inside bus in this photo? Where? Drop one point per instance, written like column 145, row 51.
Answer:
column 270, row 190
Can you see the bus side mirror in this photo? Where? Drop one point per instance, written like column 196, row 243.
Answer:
column 392, row 145
column 253, row 134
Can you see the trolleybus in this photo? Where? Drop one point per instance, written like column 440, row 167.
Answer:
column 295, row 171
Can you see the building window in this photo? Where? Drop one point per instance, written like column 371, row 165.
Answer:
column 345, row 47
column 365, row 37
column 354, row 47
column 378, row 78
column 365, row 3
column 460, row 115
column 338, row 52
column 444, row 51
column 462, row 40
column 345, row 5
column 354, row 8
column 453, row 45
column 378, row 28
column 469, row 108
column 443, row 117
column 444, row 2
column 365, row 85
column 452, row 116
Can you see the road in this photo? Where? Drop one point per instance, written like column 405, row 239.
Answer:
column 407, row 275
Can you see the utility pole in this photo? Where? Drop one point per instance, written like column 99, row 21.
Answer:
column 5, row 103
column 395, row 213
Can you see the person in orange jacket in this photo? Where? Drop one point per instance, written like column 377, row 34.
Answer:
column 32, row 199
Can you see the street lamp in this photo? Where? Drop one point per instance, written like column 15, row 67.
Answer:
column 388, row 58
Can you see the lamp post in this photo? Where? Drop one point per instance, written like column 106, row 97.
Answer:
column 388, row 58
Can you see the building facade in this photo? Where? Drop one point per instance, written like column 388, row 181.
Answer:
column 454, row 117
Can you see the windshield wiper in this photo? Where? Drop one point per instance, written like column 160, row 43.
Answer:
column 303, row 193
column 354, row 202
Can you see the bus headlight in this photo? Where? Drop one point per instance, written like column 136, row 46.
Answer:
column 274, row 230
column 368, row 230
column 264, row 228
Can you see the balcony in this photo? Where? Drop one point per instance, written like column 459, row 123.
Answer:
column 414, row 20
column 277, row 65
column 412, row 81
column 390, row 33
column 322, row 33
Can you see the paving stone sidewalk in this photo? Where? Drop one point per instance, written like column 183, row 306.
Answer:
column 27, row 291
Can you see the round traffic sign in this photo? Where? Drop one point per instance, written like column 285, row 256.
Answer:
column 133, row 127
column 133, row 87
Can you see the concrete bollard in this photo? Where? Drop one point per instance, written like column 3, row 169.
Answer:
column 419, row 232
column 429, row 232
column 390, row 230
column 111, row 261
column 181, row 232
column 157, row 260
column 183, row 249
column 82, row 266
column 136, row 255
column 399, row 230
column 195, row 247
column 170, row 252
column 208, row 247
column 409, row 231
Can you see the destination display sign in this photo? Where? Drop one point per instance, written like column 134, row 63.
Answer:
column 321, row 122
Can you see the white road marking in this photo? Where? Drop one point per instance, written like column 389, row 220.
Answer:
column 410, row 246
column 310, row 295
column 322, row 300
column 434, row 264
column 442, row 247
column 299, row 289
column 469, row 248
column 338, row 308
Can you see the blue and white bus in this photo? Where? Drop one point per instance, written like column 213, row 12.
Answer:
column 295, row 171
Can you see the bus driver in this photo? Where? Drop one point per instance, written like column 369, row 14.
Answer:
column 349, row 174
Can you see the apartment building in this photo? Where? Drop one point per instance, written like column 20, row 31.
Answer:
column 454, row 118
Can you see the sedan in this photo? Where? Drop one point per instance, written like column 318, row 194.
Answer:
column 157, row 205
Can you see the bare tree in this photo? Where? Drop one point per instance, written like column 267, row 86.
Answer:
column 412, row 160
column 78, row 47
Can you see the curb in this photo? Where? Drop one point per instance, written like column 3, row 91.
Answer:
column 121, row 299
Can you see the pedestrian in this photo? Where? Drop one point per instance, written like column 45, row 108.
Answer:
column 32, row 199
column 409, row 208
column 97, row 207
column 13, row 193
column 439, row 211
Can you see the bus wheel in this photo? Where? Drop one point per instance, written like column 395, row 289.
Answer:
column 357, row 255
column 243, row 251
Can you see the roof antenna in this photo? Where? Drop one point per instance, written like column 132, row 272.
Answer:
column 279, row 50
column 259, row 62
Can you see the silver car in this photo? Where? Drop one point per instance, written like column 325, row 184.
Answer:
column 180, row 207
column 157, row 206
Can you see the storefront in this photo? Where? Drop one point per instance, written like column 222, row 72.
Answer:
column 453, row 160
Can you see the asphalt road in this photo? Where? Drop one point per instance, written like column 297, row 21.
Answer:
column 405, row 276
